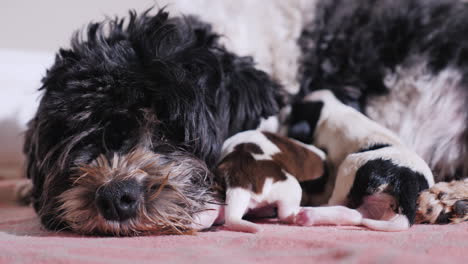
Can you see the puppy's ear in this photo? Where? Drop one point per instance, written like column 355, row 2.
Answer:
column 253, row 94
column 303, row 120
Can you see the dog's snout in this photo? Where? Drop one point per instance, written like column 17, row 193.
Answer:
column 118, row 201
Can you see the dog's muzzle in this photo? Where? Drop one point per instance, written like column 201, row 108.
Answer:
column 137, row 193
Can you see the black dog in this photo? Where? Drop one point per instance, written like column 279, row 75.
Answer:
column 132, row 119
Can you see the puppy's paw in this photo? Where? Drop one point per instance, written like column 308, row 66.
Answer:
column 304, row 218
column 444, row 203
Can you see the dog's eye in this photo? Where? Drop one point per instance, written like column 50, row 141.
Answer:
column 119, row 132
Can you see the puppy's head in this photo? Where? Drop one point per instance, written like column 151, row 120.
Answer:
column 132, row 118
column 309, row 111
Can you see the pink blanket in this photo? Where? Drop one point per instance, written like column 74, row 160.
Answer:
column 22, row 240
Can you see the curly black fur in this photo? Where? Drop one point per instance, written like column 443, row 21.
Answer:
column 150, row 80
column 352, row 45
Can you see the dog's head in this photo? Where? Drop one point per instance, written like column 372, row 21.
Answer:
column 132, row 118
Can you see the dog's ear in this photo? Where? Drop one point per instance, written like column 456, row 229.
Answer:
column 253, row 94
column 303, row 120
column 216, row 93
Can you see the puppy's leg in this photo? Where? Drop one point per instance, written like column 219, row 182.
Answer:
column 397, row 223
column 328, row 215
column 237, row 204
column 287, row 195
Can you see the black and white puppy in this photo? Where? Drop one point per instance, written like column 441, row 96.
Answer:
column 132, row 119
column 375, row 172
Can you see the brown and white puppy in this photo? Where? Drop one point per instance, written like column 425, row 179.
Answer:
column 375, row 172
column 261, row 171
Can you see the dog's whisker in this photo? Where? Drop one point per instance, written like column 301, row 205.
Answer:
column 161, row 187
column 115, row 162
column 79, row 178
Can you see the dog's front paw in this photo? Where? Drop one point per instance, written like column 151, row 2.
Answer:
column 444, row 203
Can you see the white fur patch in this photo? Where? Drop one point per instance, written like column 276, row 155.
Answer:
column 398, row 223
column 328, row 215
column 341, row 130
column 271, row 124
column 427, row 111
column 251, row 136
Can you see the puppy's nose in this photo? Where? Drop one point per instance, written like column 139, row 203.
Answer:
column 118, row 201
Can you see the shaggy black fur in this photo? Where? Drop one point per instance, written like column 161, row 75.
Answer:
column 352, row 45
column 164, row 83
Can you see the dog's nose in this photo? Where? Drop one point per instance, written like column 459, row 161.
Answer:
column 118, row 201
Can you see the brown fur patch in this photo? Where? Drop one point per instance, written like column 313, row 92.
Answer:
column 297, row 160
column 305, row 165
column 240, row 169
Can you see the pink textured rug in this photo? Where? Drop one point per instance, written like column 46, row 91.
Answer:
column 22, row 240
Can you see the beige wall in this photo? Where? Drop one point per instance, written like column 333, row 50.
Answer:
column 48, row 24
